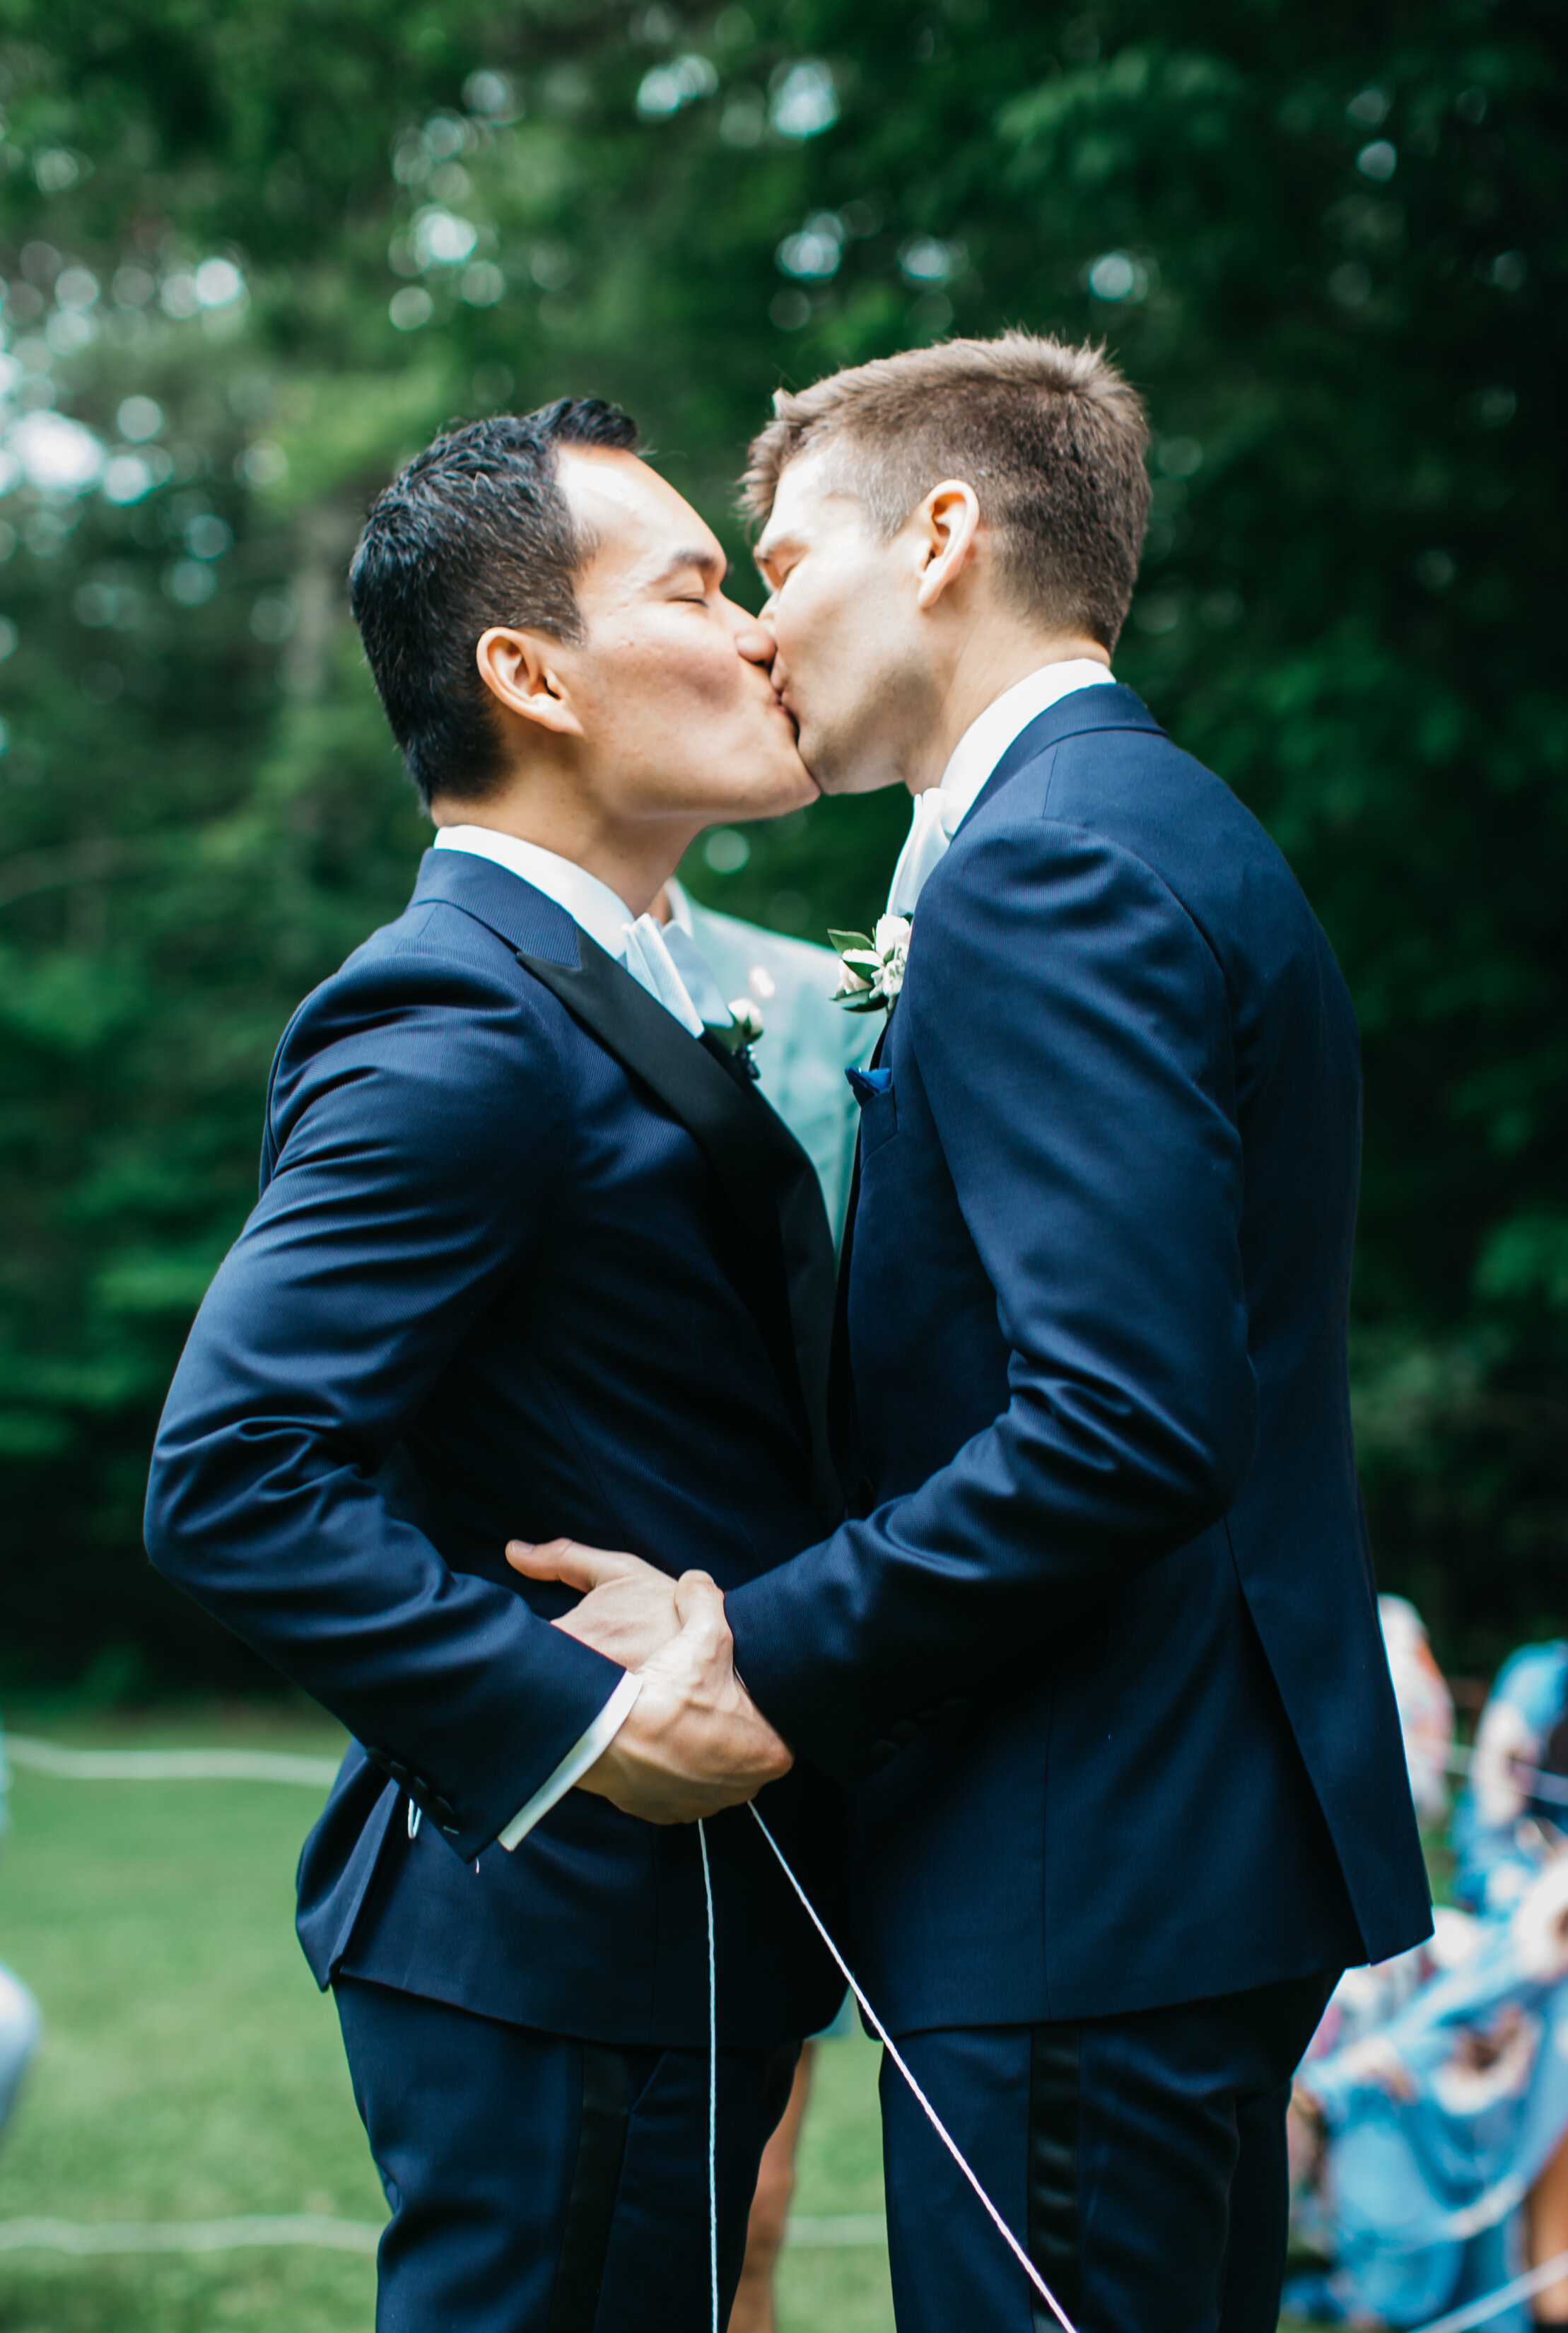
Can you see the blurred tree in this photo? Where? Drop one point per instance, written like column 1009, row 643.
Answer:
column 256, row 256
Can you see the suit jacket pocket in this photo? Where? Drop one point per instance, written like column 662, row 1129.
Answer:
column 879, row 1118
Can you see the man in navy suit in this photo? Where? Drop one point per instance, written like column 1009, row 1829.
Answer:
column 1099, row 1643
column 531, row 1247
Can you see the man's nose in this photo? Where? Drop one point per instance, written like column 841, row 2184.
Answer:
column 753, row 639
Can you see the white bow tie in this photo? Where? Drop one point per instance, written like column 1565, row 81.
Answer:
column 931, row 828
column 670, row 965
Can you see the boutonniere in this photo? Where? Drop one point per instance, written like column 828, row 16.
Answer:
column 743, row 1032
column 871, row 973
column 746, row 1020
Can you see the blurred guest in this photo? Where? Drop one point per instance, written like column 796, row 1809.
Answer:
column 808, row 1040
column 1513, row 1813
column 1425, row 1703
column 1430, row 2132
column 754, row 2310
column 1367, row 1997
column 20, row 2023
column 810, row 1044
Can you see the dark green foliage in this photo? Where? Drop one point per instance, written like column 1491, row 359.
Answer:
column 1330, row 245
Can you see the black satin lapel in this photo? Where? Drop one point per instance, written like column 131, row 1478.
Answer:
column 756, row 1162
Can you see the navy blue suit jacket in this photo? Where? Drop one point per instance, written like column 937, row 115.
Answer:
column 1102, row 1634
column 528, row 1259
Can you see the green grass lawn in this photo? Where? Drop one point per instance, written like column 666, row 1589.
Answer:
column 192, row 2071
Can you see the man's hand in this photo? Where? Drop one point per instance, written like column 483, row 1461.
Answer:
column 694, row 1741
column 628, row 1610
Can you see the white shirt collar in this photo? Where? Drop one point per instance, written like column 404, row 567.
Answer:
column 670, row 965
column 941, row 809
column 679, row 908
column 600, row 912
column 1003, row 721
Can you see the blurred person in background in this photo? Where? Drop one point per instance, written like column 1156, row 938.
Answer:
column 1367, row 1997
column 20, row 2024
column 810, row 1042
column 1426, row 1706
column 1429, row 2124
column 810, row 1045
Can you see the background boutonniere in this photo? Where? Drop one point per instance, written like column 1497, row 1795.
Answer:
column 747, row 1018
column 872, row 970
column 743, row 1032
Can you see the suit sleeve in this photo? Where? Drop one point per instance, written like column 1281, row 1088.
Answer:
column 1066, row 1027
column 416, row 1133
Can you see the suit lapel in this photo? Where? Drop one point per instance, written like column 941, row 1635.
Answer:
column 785, row 1249
column 1110, row 707
column 844, row 1407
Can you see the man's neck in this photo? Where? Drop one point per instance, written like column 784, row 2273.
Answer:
column 989, row 665
column 634, row 862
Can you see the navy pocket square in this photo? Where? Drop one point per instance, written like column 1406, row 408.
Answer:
column 866, row 1084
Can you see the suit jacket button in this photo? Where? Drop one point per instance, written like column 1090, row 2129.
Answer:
column 448, row 1830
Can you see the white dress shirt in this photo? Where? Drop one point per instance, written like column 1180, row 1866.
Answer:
column 666, row 961
column 673, row 969
column 941, row 809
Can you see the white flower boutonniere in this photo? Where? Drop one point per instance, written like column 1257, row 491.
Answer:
column 872, row 971
column 743, row 1032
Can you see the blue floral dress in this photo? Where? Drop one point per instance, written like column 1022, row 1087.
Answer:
column 1441, row 2081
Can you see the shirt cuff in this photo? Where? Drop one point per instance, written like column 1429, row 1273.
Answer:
column 584, row 1753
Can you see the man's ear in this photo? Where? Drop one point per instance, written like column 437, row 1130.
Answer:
column 517, row 670
column 947, row 523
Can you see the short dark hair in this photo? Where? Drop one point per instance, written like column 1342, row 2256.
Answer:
column 1051, row 437
column 474, row 531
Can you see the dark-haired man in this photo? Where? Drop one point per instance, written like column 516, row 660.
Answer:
column 1099, row 1642
column 530, row 1244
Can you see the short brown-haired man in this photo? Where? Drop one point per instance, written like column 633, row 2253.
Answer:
column 1098, row 1644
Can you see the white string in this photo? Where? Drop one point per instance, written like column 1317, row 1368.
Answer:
column 1491, row 2304
column 712, row 2085
column 929, row 2111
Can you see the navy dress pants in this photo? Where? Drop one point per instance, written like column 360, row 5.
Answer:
column 539, row 2185
column 1141, row 2160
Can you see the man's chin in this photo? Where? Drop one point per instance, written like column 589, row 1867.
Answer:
column 797, row 793
column 843, row 773
column 835, row 778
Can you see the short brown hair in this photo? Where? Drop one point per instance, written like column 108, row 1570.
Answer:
column 1050, row 435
